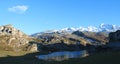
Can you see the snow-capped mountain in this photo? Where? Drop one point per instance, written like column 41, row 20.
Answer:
column 102, row 28
column 69, row 29
column 108, row 28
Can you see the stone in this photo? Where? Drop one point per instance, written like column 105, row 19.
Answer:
column 33, row 48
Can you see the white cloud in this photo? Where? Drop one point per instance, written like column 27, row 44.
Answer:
column 18, row 9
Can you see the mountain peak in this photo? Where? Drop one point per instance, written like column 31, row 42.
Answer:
column 10, row 30
column 8, row 25
column 109, row 27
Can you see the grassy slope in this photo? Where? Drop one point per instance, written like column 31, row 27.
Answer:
column 23, row 58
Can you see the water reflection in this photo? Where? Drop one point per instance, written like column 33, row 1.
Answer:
column 59, row 56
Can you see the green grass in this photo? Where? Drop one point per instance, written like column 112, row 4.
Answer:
column 8, row 57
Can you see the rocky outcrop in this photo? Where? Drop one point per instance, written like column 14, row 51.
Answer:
column 15, row 40
column 79, row 33
column 114, row 36
column 95, row 38
column 114, row 42
column 10, row 30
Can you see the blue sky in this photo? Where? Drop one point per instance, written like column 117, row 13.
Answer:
column 33, row 16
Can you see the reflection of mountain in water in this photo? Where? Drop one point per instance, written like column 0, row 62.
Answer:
column 59, row 56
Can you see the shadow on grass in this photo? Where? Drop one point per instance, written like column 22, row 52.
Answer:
column 100, row 58
column 25, row 59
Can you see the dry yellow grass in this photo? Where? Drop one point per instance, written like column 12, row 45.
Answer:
column 12, row 53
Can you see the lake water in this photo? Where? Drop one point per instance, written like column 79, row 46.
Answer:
column 59, row 56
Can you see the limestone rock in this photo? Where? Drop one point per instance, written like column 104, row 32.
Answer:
column 15, row 39
column 33, row 48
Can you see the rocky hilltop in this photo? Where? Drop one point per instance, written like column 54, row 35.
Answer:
column 114, row 40
column 12, row 39
column 115, row 36
column 10, row 30
column 113, row 44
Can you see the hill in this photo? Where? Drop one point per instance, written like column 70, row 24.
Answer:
column 12, row 39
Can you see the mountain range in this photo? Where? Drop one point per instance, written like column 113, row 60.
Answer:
column 76, row 38
column 102, row 28
column 54, row 40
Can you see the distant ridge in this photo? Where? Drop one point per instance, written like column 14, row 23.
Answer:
column 102, row 28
